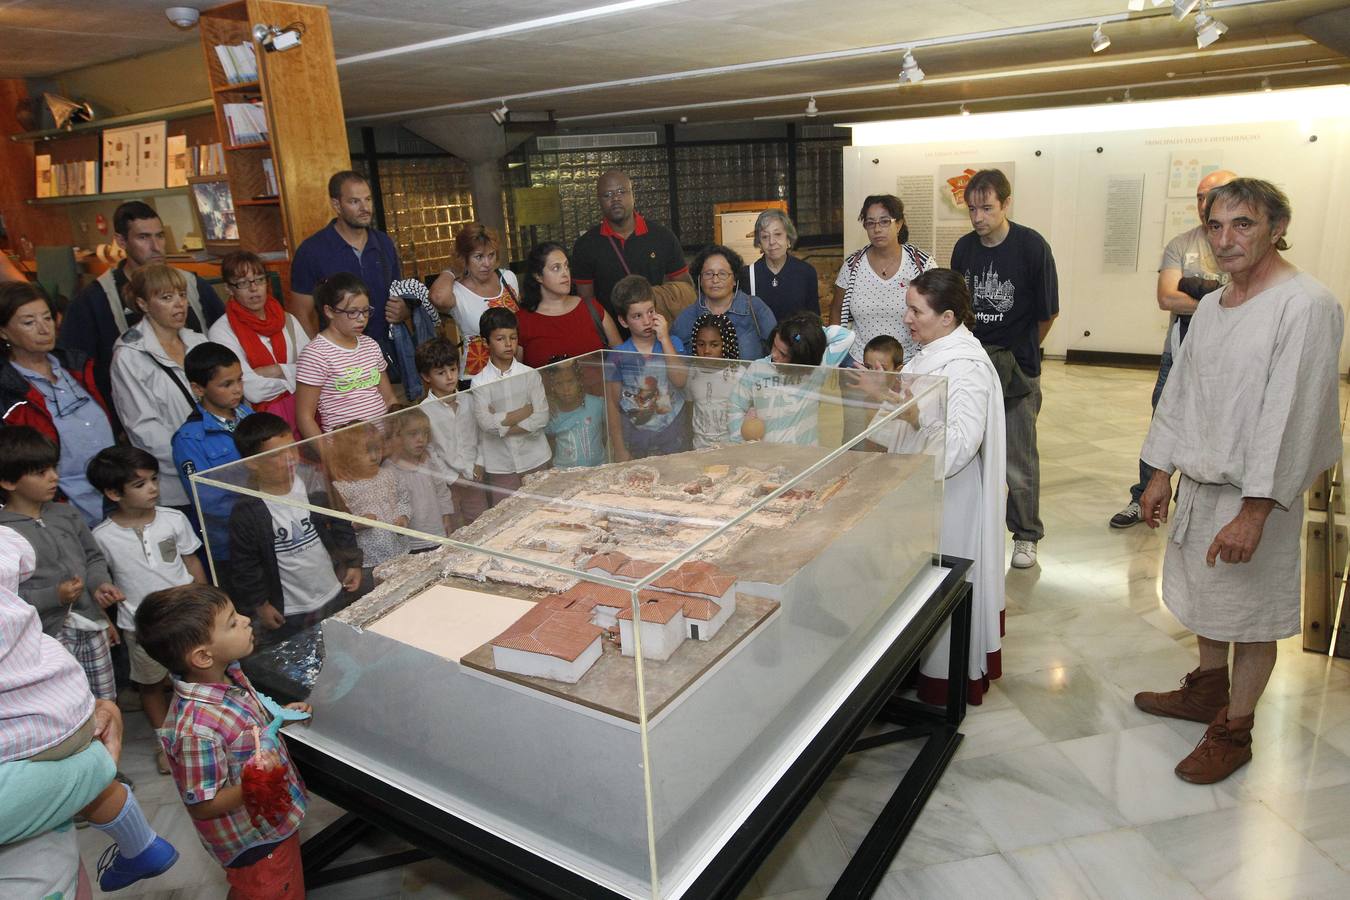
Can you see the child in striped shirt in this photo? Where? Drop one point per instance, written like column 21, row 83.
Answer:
column 47, row 714
column 341, row 375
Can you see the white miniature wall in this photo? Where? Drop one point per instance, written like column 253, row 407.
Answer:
column 1298, row 139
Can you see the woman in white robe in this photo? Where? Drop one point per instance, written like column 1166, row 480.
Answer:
column 938, row 315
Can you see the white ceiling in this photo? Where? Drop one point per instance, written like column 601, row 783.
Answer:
column 564, row 64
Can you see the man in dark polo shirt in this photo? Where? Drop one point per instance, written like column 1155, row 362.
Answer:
column 97, row 315
column 349, row 243
column 624, row 243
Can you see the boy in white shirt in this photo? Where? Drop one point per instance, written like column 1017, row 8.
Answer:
column 454, row 430
column 511, row 408
column 148, row 548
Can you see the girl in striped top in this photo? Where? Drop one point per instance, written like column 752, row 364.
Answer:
column 340, row 375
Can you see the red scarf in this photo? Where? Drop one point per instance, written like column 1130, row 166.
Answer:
column 251, row 330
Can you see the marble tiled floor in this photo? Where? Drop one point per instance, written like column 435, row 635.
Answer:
column 1061, row 789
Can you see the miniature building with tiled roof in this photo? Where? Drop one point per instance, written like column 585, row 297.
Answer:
column 662, row 624
column 600, row 600
column 549, row 642
column 621, row 565
column 699, row 578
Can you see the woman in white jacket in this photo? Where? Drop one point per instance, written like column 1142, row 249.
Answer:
column 971, row 435
column 150, row 389
column 265, row 337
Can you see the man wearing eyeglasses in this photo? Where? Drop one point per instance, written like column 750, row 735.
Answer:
column 97, row 315
column 625, row 243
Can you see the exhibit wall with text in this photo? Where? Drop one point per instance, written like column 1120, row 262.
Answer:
column 1108, row 202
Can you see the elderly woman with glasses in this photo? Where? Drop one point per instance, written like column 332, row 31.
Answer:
column 869, row 294
column 265, row 337
column 714, row 271
column 52, row 391
column 785, row 283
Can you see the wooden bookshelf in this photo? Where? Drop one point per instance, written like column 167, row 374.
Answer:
column 307, row 137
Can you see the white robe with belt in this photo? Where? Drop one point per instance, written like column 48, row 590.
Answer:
column 972, row 438
column 1250, row 410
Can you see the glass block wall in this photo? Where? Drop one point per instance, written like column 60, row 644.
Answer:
column 426, row 200
column 820, row 189
column 723, row 173
column 575, row 173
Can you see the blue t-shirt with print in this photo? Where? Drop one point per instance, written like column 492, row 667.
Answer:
column 578, row 434
column 647, row 400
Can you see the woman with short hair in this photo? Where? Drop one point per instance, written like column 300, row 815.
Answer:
column 714, row 271
column 466, row 297
column 785, row 283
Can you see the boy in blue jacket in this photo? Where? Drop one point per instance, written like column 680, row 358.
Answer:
column 206, row 440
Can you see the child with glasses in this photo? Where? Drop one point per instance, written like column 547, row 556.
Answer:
column 341, row 375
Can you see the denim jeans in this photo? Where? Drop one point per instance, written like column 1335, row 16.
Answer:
column 1145, row 470
column 1024, row 465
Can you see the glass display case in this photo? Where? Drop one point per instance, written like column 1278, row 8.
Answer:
column 630, row 644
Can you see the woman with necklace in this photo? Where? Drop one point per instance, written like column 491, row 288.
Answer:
column 714, row 271
column 785, row 283
column 481, row 287
column 52, row 391
column 869, row 294
column 555, row 323
column 150, row 388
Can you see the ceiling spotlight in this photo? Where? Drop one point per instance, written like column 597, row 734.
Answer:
column 274, row 39
column 1207, row 29
column 964, row 111
column 1183, row 8
column 1099, row 40
column 1265, row 85
column 811, row 111
column 500, row 113
column 1127, row 98
column 910, row 73
column 182, row 16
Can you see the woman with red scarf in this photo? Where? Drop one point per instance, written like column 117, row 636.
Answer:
column 265, row 337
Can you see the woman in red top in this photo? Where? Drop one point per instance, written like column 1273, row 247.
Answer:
column 554, row 322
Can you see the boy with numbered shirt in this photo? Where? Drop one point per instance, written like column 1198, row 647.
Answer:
column 454, row 430
column 645, row 379
column 148, row 548
column 206, row 440
column 216, row 723
column 291, row 567
column 71, row 585
column 511, row 408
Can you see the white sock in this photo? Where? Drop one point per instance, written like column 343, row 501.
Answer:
column 130, row 829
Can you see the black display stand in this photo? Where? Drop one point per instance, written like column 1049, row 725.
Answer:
column 374, row 804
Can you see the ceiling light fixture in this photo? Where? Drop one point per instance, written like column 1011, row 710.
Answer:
column 500, row 113
column 275, row 39
column 1099, row 40
column 1183, row 8
column 964, row 111
column 1265, row 85
column 910, row 73
column 182, row 16
column 1126, row 97
column 811, row 111
column 1207, row 29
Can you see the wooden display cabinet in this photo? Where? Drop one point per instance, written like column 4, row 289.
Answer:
column 307, row 137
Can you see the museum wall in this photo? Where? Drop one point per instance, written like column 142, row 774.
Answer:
column 1109, row 185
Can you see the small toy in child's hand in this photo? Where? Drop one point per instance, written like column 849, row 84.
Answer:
column 267, row 794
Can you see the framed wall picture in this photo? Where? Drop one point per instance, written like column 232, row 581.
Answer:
column 133, row 157
column 213, row 206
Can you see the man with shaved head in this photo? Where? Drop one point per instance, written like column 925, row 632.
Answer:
column 624, row 243
column 1188, row 272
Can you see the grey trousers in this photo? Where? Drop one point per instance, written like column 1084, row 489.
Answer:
column 1024, row 465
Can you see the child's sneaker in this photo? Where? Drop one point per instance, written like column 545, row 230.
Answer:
column 115, row 871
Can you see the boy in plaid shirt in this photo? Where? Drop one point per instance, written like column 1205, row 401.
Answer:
column 194, row 631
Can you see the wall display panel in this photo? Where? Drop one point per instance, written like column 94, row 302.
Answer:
column 611, row 664
column 1075, row 189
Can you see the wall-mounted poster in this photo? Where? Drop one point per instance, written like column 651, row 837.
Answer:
column 214, row 206
column 953, row 219
column 1186, row 169
column 177, row 172
column 133, row 157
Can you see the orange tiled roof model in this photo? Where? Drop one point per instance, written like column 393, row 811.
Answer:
column 697, row 577
column 585, row 595
column 563, row 633
column 700, row 608
column 655, row 607
column 622, row 565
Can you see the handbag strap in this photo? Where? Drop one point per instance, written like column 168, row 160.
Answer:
column 595, row 320
column 192, row 403
column 619, row 253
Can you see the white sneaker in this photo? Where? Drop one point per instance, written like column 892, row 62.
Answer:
column 1024, row 554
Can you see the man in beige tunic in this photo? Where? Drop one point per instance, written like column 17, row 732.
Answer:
column 1249, row 419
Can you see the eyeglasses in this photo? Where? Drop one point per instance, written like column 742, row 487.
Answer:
column 869, row 224
column 715, row 276
column 362, row 313
column 242, row 283
column 617, row 192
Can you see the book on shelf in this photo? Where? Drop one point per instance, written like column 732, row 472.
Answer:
column 42, row 165
column 176, row 158
column 238, row 62
column 206, row 159
column 67, row 179
column 270, row 176
column 247, row 122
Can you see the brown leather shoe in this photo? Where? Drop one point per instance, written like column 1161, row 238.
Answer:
column 1225, row 748
column 1203, row 693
